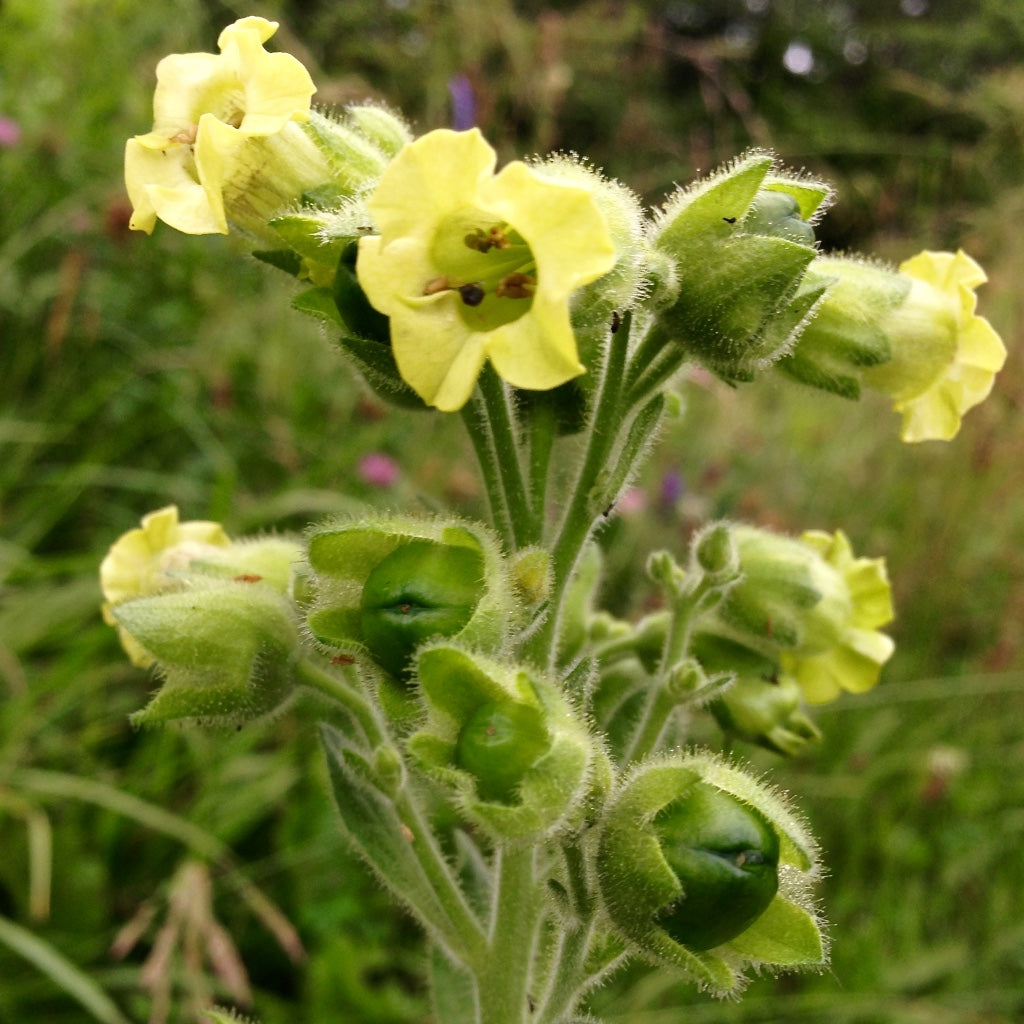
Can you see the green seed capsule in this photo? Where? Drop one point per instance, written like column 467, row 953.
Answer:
column 499, row 744
column 726, row 856
column 421, row 590
column 777, row 213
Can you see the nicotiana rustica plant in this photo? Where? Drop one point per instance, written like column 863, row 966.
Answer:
column 509, row 759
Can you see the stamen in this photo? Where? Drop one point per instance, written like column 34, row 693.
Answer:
column 438, row 284
column 516, row 286
column 484, row 241
column 186, row 135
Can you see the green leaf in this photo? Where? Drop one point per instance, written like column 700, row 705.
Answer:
column 61, row 971
column 451, row 989
column 371, row 822
column 319, row 303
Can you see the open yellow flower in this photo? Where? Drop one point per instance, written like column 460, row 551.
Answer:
column 146, row 561
column 911, row 334
column 225, row 143
column 843, row 649
column 471, row 265
column 944, row 357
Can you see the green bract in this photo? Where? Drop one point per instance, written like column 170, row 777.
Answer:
column 224, row 649
column 386, row 585
column 503, row 738
column 741, row 244
column 652, row 856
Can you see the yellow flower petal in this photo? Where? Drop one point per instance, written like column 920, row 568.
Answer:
column 138, row 562
column 935, row 391
column 435, row 202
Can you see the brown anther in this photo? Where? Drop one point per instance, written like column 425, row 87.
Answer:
column 498, row 238
column 343, row 659
column 479, row 241
column 247, row 577
column 516, row 286
column 186, row 135
column 438, row 284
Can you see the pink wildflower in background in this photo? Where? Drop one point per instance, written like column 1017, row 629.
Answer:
column 378, row 469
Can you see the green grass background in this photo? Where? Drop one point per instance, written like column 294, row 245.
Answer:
column 140, row 371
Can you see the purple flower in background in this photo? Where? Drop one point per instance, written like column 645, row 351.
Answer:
column 672, row 488
column 378, row 469
column 460, row 88
column 10, row 132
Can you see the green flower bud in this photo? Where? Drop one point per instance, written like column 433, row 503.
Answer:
column 767, row 712
column 503, row 739
column 384, row 586
column 741, row 244
column 778, row 214
column 690, row 859
column 763, row 704
column 726, row 857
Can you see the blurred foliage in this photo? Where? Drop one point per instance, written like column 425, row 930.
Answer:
column 142, row 371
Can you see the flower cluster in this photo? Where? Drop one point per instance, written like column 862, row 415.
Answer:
column 505, row 755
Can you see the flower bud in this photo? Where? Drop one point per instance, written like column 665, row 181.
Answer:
column 503, row 738
column 741, row 242
column 912, row 335
column 420, row 590
column 498, row 745
column 385, row 586
column 763, row 704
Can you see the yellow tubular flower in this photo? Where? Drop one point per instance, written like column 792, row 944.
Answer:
column 214, row 116
column 853, row 657
column 145, row 561
column 944, row 357
column 471, row 265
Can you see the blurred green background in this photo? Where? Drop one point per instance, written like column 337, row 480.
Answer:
column 142, row 872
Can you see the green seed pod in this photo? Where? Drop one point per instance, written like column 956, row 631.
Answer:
column 778, row 214
column 385, row 586
column 421, row 590
column 499, row 744
column 689, row 858
column 503, row 740
column 726, row 856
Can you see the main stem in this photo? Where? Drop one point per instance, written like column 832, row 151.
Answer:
column 503, row 983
